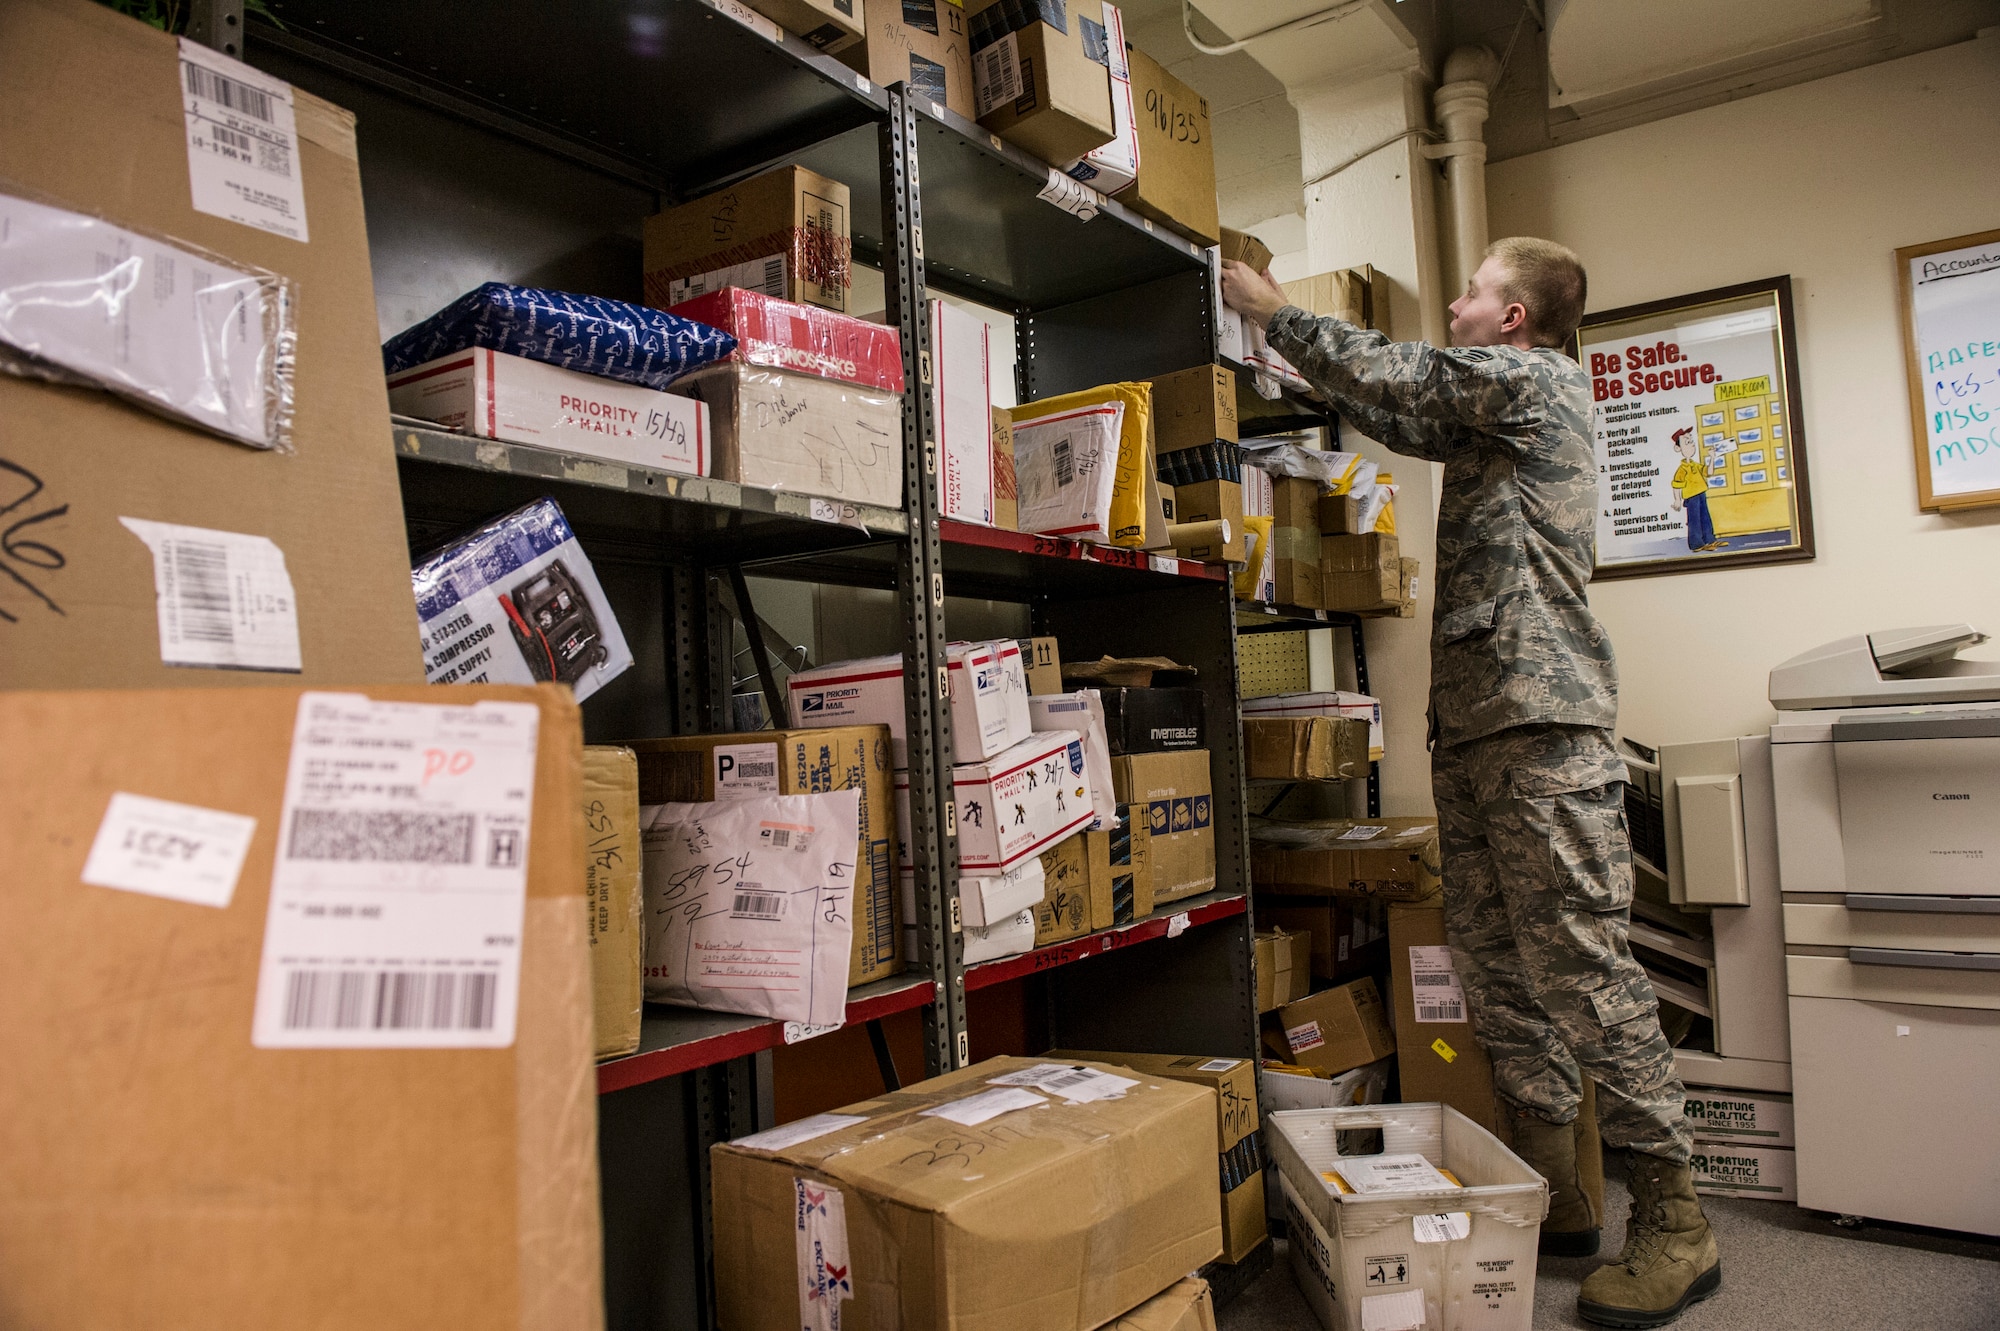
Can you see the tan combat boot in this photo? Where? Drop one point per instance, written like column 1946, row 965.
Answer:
column 1669, row 1260
column 1572, row 1227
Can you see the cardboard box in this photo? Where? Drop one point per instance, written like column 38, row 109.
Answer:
column 829, row 25
column 153, row 1124
column 1187, row 1306
column 1360, row 554
column 1306, row 748
column 1738, row 1168
column 1176, row 183
column 1393, row 858
column 1334, row 1030
column 784, row 431
column 1284, row 963
column 611, row 856
column 1152, row 720
column 1174, row 788
column 1021, row 802
column 962, row 407
column 693, row 769
column 79, row 604
column 1006, row 487
column 990, row 899
column 1194, row 407
column 496, row 396
column 1340, row 515
column 1343, row 938
column 1354, row 706
column 1761, row 1118
column 784, row 233
column 922, row 43
column 1112, row 166
column 1358, row 295
column 1129, row 849
column 1247, row 249
column 1210, row 501
column 1037, row 88
column 1241, row 1158
column 1295, row 541
column 786, row 335
column 1042, row 660
column 1076, row 893
column 1128, row 1181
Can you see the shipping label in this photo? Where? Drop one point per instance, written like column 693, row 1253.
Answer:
column 225, row 598
column 1434, row 986
column 178, row 851
column 242, row 142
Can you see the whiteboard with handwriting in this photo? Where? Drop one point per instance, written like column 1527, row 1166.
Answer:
column 1951, row 310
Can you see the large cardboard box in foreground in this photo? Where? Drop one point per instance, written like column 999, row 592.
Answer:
column 961, row 1205
column 164, row 1163
column 697, row 768
column 78, row 600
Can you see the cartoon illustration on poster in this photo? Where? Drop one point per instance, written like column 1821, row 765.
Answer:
column 1697, row 454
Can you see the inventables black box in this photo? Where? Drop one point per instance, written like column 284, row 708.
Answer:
column 1152, row 720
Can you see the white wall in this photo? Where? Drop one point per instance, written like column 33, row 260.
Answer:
column 1822, row 181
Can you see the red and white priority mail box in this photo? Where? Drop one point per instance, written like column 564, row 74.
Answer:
column 1012, row 806
column 787, row 335
column 989, row 698
column 962, row 405
column 497, row 396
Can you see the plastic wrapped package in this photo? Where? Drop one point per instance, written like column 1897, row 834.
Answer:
column 516, row 602
column 750, row 904
column 780, row 430
column 169, row 326
column 787, row 335
column 589, row 334
column 1083, row 463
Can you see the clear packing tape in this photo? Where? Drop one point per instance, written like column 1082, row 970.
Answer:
column 166, row 325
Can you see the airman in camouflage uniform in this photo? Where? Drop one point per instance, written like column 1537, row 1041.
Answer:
column 1529, row 788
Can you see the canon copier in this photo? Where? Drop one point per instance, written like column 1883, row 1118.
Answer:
column 1885, row 765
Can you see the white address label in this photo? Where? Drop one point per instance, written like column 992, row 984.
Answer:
column 242, row 142
column 178, row 851
column 401, row 876
column 225, row 598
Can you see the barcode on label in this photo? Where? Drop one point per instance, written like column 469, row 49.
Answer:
column 759, row 906
column 1440, row 1012
column 752, row 771
column 240, row 142
column 1074, row 1077
column 999, row 76
column 1436, row 977
column 227, row 92
column 389, row 1000
column 197, row 592
column 1065, row 464
column 382, row 835
column 774, row 277
column 786, row 836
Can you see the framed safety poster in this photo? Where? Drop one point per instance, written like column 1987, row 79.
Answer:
column 1951, row 339
column 1701, row 457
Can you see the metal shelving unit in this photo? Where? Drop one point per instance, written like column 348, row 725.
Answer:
column 528, row 142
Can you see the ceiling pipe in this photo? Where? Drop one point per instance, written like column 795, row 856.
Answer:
column 1462, row 101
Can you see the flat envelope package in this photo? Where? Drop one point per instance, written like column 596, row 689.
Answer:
column 1083, row 712
column 149, row 552
column 780, row 430
column 498, row 396
column 517, row 602
column 388, row 1102
column 1013, row 1195
column 692, row 768
column 1083, row 465
column 611, row 855
column 750, row 904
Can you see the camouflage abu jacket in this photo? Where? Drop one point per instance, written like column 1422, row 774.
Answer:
column 1513, row 641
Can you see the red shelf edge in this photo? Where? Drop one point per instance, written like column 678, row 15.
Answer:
column 1040, row 959
column 1056, row 547
column 636, row 1069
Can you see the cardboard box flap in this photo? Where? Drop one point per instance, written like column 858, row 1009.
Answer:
column 1132, row 672
column 1187, row 1306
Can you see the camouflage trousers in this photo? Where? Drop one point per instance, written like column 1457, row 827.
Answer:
column 1537, row 902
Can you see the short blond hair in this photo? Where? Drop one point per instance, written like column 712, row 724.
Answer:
column 1547, row 279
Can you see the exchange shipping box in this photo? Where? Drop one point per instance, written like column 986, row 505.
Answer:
column 611, row 856
column 694, row 769
column 922, row 43
column 1022, row 801
column 1174, row 789
column 1334, row 1030
column 1076, row 1210
column 1305, row 748
column 1036, row 85
column 1393, row 858
column 784, row 233
column 232, row 1094
column 1176, row 183
column 143, row 552
column 1241, row 1156
column 779, row 430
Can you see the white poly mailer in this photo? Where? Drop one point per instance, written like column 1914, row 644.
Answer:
column 1065, row 469
column 750, row 904
column 1083, row 712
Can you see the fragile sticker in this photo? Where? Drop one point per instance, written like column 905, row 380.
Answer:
column 242, row 143
column 178, row 851
column 224, row 598
column 1302, row 1038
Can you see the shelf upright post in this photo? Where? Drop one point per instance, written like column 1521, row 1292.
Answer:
column 933, row 832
